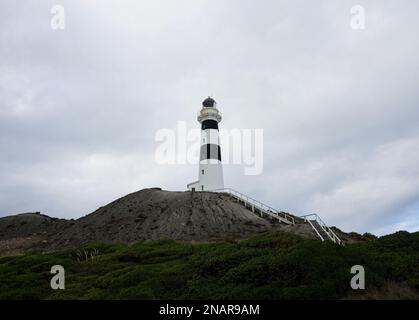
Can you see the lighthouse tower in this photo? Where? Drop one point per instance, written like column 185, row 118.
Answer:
column 210, row 176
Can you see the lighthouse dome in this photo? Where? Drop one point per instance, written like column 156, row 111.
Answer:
column 209, row 102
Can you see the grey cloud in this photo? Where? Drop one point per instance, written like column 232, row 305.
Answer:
column 79, row 108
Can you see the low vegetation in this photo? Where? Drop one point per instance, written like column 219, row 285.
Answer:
column 268, row 266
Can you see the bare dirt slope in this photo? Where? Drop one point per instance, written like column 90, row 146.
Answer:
column 144, row 215
column 155, row 214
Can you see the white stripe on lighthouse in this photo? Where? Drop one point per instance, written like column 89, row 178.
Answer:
column 210, row 136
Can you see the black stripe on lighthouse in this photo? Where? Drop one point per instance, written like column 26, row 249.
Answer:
column 210, row 151
column 209, row 124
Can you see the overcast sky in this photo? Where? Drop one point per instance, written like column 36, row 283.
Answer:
column 80, row 107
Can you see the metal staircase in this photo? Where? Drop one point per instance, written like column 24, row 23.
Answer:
column 257, row 206
column 322, row 230
column 317, row 224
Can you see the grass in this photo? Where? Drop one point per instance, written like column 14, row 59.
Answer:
column 268, row 266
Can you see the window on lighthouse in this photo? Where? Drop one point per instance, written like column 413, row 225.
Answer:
column 202, row 171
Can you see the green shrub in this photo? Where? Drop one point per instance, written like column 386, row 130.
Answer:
column 273, row 265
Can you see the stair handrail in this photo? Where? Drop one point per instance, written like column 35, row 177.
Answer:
column 324, row 226
column 315, row 229
column 241, row 196
column 261, row 205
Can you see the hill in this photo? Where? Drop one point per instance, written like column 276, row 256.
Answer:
column 148, row 214
column 156, row 244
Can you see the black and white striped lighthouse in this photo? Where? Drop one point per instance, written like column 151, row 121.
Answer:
column 210, row 176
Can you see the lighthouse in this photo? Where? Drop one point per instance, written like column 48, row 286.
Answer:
column 210, row 175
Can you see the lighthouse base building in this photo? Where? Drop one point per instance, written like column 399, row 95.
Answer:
column 210, row 175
